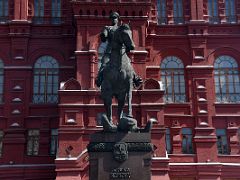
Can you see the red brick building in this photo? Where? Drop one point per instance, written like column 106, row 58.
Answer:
column 186, row 51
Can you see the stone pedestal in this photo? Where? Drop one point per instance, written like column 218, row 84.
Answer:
column 115, row 156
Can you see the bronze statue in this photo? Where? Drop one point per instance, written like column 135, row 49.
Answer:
column 116, row 75
column 107, row 35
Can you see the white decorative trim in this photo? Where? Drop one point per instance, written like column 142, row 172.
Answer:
column 205, row 137
column 137, row 51
column 204, row 163
column 17, row 87
column 202, row 100
column 90, row 50
column 203, row 112
column 16, row 100
column 15, row 125
column 151, row 67
column 26, row 165
column 72, row 158
column 196, row 67
column 70, row 121
column 16, row 111
column 19, row 58
column 160, row 158
column 224, row 115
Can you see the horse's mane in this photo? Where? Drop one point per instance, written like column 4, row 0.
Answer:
column 124, row 27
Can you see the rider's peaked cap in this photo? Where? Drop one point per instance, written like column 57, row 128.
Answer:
column 114, row 15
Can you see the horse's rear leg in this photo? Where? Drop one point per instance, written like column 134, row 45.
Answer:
column 108, row 107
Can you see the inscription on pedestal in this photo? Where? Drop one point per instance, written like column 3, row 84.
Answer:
column 120, row 173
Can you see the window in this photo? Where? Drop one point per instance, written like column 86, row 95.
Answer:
column 161, row 10
column 222, row 143
column 56, row 11
column 45, row 87
column 187, row 147
column 172, row 77
column 226, row 75
column 1, row 81
column 38, row 11
column 33, row 142
column 1, row 142
column 178, row 11
column 230, row 11
column 3, row 10
column 213, row 11
column 168, row 141
column 54, row 142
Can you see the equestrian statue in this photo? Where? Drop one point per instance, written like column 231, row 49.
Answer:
column 116, row 76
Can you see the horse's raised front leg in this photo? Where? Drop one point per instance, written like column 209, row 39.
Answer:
column 108, row 107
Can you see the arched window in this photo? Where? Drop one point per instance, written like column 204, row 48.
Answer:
column 1, row 80
column 172, row 76
column 45, row 86
column 226, row 75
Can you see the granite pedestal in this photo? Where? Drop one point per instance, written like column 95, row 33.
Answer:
column 118, row 156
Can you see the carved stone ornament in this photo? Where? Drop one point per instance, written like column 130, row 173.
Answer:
column 120, row 152
column 109, row 147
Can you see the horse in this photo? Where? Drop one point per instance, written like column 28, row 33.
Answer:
column 118, row 73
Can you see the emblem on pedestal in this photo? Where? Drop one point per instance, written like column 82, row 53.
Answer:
column 120, row 152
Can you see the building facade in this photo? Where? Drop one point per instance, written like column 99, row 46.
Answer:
column 187, row 52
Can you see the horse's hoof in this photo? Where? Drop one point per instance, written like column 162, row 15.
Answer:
column 149, row 125
column 111, row 129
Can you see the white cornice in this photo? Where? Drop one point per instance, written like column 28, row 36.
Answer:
column 199, row 67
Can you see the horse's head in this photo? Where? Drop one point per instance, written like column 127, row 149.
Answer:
column 126, row 37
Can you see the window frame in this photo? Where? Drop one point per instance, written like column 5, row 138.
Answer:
column 43, row 75
column 177, row 78
column 31, row 139
column 56, row 11
column 223, row 141
column 162, row 11
column 168, row 140
column 4, row 10
column 189, row 140
column 39, row 8
column 230, row 11
column 178, row 11
column 53, row 140
column 225, row 78
column 213, row 12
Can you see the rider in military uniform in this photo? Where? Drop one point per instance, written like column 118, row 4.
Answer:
column 107, row 35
